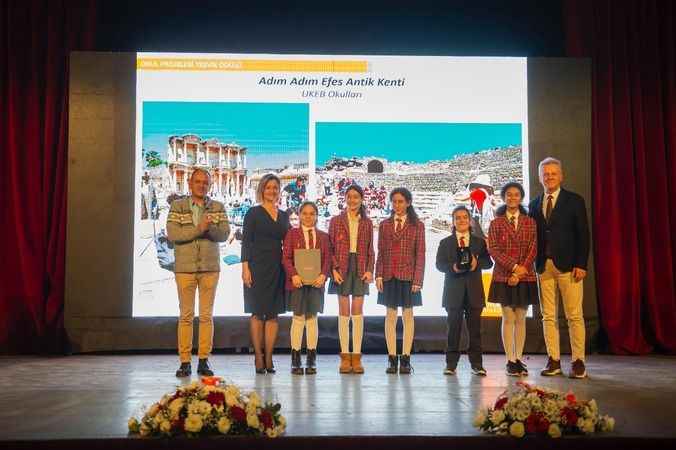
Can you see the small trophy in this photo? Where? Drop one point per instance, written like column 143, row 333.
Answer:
column 464, row 259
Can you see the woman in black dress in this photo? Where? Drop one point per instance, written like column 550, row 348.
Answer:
column 263, row 232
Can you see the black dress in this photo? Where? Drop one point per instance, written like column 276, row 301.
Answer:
column 262, row 248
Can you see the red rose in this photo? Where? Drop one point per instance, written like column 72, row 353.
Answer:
column 543, row 425
column 500, row 403
column 570, row 416
column 532, row 424
column 238, row 414
column 266, row 418
column 570, row 398
column 215, row 398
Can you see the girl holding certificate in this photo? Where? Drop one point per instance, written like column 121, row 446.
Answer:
column 400, row 269
column 307, row 262
column 351, row 235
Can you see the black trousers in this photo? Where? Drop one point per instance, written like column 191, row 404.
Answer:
column 472, row 316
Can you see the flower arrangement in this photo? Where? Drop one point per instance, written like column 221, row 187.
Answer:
column 209, row 407
column 530, row 410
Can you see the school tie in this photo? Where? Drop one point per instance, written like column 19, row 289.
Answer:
column 548, row 212
column 462, row 241
column 398, row 227
column 512, row 222
column 311, row 238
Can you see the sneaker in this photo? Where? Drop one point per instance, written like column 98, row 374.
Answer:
column 552, row 368
column 522, row 368
column 578, row 370
column 203, row 368
column 393, row 363
column 479, row 371
column 512, row 369
column 449, row 370
column 184, row 370
column 405, row 365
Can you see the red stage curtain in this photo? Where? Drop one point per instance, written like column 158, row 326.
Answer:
column 35, row 40
column 632, row 45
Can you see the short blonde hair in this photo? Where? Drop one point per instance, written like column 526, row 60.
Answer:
column 264, row 181
column 546, row 162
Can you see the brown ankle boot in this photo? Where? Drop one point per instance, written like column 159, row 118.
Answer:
column 356, row 363
column 345, row 363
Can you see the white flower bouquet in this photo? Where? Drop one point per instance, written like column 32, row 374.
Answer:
column 209, row 408
column 530, row 410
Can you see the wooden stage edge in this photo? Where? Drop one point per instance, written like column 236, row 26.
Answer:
column 84, row 401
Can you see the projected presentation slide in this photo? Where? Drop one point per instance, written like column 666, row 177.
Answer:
column 453, row 130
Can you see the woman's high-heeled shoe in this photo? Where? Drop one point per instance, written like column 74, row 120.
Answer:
column 270, row 368
column 259, row 370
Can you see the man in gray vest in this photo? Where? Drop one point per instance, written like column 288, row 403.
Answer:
column 196, row 224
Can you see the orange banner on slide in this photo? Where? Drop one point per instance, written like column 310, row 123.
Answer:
column 251, row 65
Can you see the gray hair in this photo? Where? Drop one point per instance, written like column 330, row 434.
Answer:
column 264, row 181
column 547, row 161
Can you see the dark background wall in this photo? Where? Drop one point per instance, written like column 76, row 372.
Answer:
column 471, row 28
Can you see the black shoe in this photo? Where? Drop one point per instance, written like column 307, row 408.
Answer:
column 552, row 368
column 393, row 364
column 184, row 370
column 405, row 365
column 259, row 370
column 204, row 369
column 296, row 368
column 512, row 369
column 270, row 367
column 578, row 370
column 479, row 371
column 311, row 362
column 522, row 368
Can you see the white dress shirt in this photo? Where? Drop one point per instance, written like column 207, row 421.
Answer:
column 307, row 236
column 555, row 196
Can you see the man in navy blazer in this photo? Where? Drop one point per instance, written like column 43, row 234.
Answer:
column 563, row 251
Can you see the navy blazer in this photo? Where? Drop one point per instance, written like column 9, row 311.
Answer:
column 457, row 284
column 567, row 231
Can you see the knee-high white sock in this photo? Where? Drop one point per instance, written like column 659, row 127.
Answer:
column 409, row 329
column 357, row 333
column 508, row 319
column 312, row 330
column 391, row 331
column 344, row 333
column 519, row 331
column 297, row 326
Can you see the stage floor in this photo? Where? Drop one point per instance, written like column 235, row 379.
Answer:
column 80, row 397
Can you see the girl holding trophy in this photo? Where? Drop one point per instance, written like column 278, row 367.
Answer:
column 461, row 257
